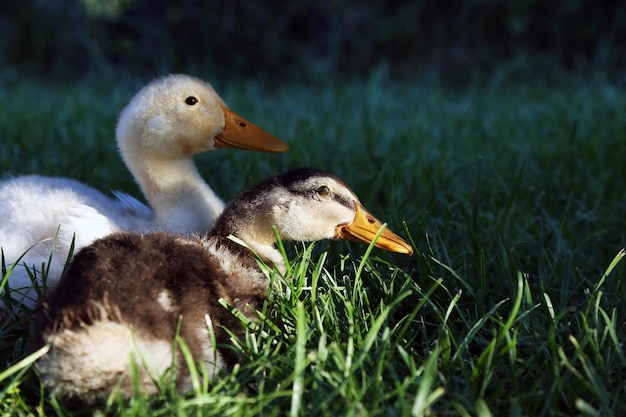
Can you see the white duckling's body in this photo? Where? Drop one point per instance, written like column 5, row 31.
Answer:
column 129, row 292
column 32, row 206
column 168, row 122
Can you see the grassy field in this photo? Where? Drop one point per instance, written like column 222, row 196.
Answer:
column 512, row 195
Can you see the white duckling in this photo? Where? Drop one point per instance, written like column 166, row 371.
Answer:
column 124, row 296
column 168, row 122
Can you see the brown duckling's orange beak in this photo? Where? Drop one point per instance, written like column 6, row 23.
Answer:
column 364, row 228
column 241, row 134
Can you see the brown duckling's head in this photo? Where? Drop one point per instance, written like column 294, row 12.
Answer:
column 304, row 204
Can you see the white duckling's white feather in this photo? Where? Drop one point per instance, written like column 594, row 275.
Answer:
column 167, row 122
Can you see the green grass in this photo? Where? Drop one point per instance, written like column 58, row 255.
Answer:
column 513, row 303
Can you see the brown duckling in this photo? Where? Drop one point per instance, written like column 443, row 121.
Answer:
column 124, row 296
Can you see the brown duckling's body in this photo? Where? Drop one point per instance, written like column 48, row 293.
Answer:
column 127, row 294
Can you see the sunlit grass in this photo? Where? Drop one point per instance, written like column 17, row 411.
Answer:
column 512, row 304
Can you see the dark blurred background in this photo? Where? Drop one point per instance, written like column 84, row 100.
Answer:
column 302, row 40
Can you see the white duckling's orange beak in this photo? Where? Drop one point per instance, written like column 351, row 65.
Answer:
column 364, row 228
column 241, row 134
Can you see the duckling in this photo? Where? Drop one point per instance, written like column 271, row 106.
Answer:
column 164, row 125
column 125, row 297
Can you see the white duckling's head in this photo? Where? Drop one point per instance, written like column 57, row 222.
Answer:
column 305, row 204
column 179, row 116
column 168, row 122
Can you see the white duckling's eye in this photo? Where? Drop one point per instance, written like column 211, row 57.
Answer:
column 191, row 100
column 323, row 191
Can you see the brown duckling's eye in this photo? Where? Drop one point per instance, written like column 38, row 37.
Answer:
column 191, row 100
column 323, row 191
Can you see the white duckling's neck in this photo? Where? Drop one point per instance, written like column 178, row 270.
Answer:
column 181, row 200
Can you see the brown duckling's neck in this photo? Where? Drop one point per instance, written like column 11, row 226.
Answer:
column 250, row 221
